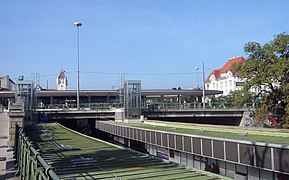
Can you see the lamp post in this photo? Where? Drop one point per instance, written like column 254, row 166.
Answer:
column 204, row 86
column 77, row 24
column 197, row 69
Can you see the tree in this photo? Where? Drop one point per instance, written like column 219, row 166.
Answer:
column 242, row 99
column 267, row 72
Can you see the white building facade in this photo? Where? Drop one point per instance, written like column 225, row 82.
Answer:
column 224, row 79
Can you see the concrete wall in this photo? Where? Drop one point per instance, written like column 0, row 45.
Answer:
column 16, row 116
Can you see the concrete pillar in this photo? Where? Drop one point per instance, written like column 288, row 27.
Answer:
column 246, row 119
column 51, row 100
column 108, row 98
column 16, row 115
column 89, row 99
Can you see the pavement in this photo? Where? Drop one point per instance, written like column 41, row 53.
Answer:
column 7, row 165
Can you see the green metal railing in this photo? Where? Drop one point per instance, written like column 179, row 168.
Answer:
column 151, row 106
column 83, row 106
column 193, row 105
column 31, row 165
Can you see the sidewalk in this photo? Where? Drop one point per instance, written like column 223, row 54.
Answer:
column 7, row 170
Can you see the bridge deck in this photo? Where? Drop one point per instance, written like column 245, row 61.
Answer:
column 75, row 156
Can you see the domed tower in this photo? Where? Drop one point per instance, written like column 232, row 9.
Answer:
column 61, row 81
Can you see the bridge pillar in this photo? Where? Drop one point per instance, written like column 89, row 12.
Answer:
column 51, row 100
column 16, row 115
column 89, row 99
column 246, row 119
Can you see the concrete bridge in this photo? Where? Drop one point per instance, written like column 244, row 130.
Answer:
column 60, row 114
column 236, row 117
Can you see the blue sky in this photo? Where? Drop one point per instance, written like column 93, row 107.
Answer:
column 160, row 42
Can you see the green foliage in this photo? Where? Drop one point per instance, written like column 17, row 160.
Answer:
column 242, row 99
column 236, row 99
column 267, row 72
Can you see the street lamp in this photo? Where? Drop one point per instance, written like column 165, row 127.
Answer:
column 197, row 69
column 77, row 24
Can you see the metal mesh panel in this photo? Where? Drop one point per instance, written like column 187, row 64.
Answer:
column 246, row 154
column 113, row 129
column 135, row 133
column 118, row 130
column 218, row 149
column 179, row 142
column 122, row 131
column 207, row 147
column 172, row 141
column 281, row 159
column 231, row 151
column 125, row 132
column 165, row 139
column 197, row 145
column 187, row 144
column 143, row 135
column 159, row 139
column 131, row 133
column 138, row 133
column 263, row 157
column 153, row 137
column 148, row 137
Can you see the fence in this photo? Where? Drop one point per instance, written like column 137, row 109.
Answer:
column 30, row 163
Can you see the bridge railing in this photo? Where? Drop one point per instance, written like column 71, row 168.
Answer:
column 194, row 105
column 152, row 105
column 30, row 163
column 83, row 106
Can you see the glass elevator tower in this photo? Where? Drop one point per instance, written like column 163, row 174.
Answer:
column 132, row 99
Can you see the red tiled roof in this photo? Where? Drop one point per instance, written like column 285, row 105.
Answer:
column 227, row 67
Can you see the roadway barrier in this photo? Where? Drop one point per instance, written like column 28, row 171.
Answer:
column 83, row 106
column 259, row 155
column 30, row 163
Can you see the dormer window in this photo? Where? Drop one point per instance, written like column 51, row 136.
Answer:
column 230, row 74
column 212, row 78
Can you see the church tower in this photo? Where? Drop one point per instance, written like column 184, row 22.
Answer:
column 61, row 81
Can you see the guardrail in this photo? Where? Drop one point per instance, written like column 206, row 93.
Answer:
column 30, row 163
column 151, row 106
column 194, row 105
column 83, row 106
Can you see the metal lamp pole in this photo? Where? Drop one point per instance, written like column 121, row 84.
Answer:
column 204, row 86
column 77, row 24
column 197, row 69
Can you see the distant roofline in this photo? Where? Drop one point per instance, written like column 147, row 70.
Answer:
column 227, row 67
